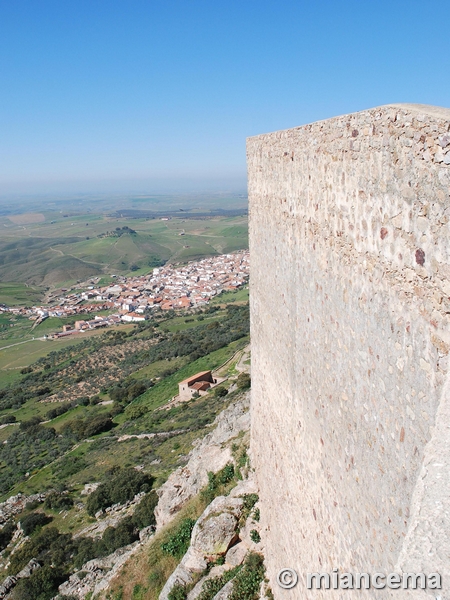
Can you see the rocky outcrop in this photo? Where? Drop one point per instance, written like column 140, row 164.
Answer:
column 114, row 515
column 95, row 575
column 216, row 534
column 11, row 581
column 210, row 454
column 16, row 504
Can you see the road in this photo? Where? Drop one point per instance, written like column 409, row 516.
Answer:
column 41, row 339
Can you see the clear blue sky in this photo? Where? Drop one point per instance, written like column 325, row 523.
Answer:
column 151, row 94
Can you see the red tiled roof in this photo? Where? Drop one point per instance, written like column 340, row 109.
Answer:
column 195, row 377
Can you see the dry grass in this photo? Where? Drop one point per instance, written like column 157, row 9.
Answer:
column 27, row 218
column 144, row 575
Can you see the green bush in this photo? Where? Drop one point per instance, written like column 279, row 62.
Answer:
column 144, row 515
column 42, row 585
column 216, row 480
column 212, row 586
column 98, row 425
column 249, row 502
column 248, row 581
column 117, row 537
column 68, row 466
column 6, row 534
column 58, row 501
column 7, row 419
column 59, row 410
column 220, row 392
column 122, row 486
column 178, row 542
column 178, row 592
column 254, row 536
column 243, row 381
column 34, row 520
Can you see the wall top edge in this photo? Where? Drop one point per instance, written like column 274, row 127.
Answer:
column 436, row 112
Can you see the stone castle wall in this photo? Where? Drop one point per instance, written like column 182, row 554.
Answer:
column 350, row 313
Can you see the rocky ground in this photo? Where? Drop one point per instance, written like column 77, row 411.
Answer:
column 224, row 534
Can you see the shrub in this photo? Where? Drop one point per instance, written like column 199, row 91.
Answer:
column 120, row 536
column 220, row 392
column 123, row 485
column 30, row 424
column 59, row 410
column 178, row 592
column 7, row 419
column 68, row 466
column 254, row 536
column 243, row 381
column 178, row 542
column 248, row 581
column 42, row 585
column 34, row 520
column 58, row 501
column 98, row 425
column 216, row 480
column 212, row 586
column 144, row 515
column 6, row 534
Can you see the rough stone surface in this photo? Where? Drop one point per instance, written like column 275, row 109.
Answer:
column 95, row 575
column 14, row 505
column 197, row 589
column 114, row 515
column 11, row 581
column 236, row 555
column 208, row 455
column 350, row 315
column 225, row 592
column 213, row 533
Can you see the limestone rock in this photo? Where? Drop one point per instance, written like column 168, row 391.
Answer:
column 29, row 569
column 208, row 455
column 215, row 531
column 225, row 592
column 181, row 575
column 236, row 555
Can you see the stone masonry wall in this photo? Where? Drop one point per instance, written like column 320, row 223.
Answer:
column 350, row 314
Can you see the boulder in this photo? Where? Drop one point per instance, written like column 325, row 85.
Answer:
column 214, row 532
column 236, row 555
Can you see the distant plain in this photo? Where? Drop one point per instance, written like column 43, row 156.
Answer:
column 46, row 249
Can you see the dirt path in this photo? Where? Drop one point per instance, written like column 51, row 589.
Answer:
column 41, row 339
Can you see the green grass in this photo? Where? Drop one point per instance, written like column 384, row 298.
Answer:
column 69, row 250
column 20, row 294
column 163, row 391
column 158, row 367
column 179, row 323
column 240, row 296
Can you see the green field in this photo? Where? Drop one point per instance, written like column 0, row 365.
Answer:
column 19, row 294
column 59, row 251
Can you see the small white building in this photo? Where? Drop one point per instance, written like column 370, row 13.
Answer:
column 133, row 317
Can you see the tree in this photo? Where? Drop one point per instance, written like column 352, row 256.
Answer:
column 244, row 381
